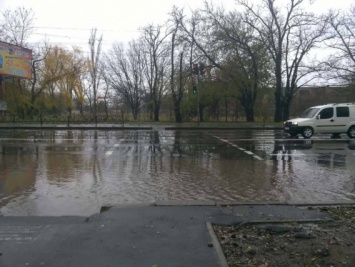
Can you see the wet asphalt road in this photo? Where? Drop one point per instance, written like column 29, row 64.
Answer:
column 76, row 172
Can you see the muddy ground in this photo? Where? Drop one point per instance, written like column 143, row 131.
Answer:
column 329, row 243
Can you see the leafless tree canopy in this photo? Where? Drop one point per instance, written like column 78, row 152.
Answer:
column 94, row 67
column 16, row 26
column 126, row 70
column 260, row 51
column 341, row 63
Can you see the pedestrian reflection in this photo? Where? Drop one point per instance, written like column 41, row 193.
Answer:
column 281, row 149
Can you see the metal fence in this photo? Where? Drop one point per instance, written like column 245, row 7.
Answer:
column 60, row 119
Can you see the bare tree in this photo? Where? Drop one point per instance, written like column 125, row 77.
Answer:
column 289, row 33
column 106, row 91
column 94, row 67
column 178, row 78
column 341, row 63
column 16, row 26
column 230, row 46
column 177, row 95
column 156, row 58
column 125, row 74
column 246, row 61
column 35, row 90
column 190, row 30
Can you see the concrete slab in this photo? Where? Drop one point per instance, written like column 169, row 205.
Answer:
column 127, row 236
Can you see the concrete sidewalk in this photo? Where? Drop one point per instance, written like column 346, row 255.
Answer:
column 142, row 235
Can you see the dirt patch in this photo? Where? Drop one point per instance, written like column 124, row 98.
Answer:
column 329, row 243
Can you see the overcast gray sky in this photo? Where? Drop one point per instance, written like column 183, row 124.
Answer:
column 69, row 21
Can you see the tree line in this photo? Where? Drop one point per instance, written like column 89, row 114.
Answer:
column 254, row 57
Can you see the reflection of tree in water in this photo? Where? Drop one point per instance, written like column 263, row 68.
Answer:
column 96, row 166
column 17, row 172
column 69, row 135
column 177, row 142
column 136, row 142
column 155, row 142
column 282, row 164
column 331, row 159
column 62, row 166
column 192, row 145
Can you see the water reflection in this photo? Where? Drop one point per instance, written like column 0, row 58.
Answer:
column 314, row 170
column 17, row 172
column 329, row 154
column 75, row 172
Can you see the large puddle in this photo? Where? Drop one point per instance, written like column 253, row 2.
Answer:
column 76, row 172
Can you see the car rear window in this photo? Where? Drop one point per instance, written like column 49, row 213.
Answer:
column 342, row 111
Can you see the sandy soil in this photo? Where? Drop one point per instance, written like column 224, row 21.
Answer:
column 330, row 243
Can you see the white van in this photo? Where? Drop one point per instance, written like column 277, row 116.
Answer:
column 330, row 119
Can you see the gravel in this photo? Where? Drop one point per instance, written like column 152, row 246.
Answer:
column 329, row 243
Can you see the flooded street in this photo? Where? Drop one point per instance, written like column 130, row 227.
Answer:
column 76, row 172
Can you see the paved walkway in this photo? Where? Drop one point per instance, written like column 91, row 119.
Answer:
column 143, row 235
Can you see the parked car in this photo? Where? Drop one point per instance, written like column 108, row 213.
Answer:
column 329, row 119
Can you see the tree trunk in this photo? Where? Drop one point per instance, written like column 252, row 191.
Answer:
column 278, row 94
column 106, row 109
column 201, row 107
column 286, row 110
column 287, row 102
column 156, row 112
column 81, row 109
column 177, row 109
column 248, row 107
column 226, row 108
column 134, row 114
column 217, row 111
column 249, row 112
column 178, row 115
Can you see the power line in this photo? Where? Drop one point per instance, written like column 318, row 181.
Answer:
column 72, row 29
column 71, row 43
column 104, row 41
column 82, row 29
column 78, row 29
column 55, row 35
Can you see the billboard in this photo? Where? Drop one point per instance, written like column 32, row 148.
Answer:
column 15, row 61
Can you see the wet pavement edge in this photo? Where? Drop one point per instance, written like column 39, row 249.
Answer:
column 135, row 235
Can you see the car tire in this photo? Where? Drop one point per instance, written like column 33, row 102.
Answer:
column 351, row 131
column 307, row 132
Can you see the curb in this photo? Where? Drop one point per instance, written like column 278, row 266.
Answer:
column 217, row 246
column 184, row 203
column 221, row 204
column 225, row 128
column 101, row 128
column 300, row 221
